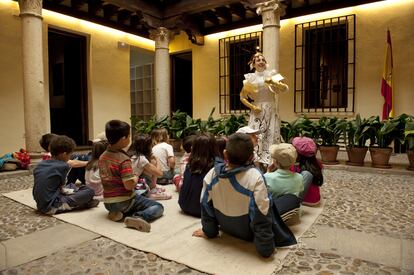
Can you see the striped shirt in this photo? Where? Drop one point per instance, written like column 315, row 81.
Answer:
column 115, row 168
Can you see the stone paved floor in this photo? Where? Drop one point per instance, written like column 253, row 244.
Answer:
column 355, row 201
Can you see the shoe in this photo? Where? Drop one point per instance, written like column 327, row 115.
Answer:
column 115, row 216
column 156, row 194
column 92, row 203
column 137, row 223
column 311, row 204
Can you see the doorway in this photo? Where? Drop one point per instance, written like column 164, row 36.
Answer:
column 182, row 83
column 68, row 85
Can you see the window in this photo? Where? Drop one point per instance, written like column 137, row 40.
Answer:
column 325, row 65
column 142, row 84
column 235, row 53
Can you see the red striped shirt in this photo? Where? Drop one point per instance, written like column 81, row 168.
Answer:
column 115, row 168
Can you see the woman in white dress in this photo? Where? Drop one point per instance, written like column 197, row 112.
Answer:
column 261, row 86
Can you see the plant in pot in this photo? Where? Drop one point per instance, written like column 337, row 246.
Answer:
column 356, row 133
column 146, row 127
column 409, row 138
column 329, row 130
column 180, row 126
column 299, row 127
column 385, row 132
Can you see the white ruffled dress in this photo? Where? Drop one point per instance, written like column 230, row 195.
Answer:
column 265, row 121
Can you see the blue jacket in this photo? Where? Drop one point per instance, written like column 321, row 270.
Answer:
column 237, row 202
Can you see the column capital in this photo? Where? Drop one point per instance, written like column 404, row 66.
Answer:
column 162, row 37
column 31, row 7
column 270, row 11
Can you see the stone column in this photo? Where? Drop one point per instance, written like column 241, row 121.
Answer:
column 162, row 37
column 36, row 111
column 270, row 11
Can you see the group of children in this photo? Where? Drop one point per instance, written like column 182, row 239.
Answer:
column 218, row 182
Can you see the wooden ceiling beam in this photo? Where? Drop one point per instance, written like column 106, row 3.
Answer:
column 195, row 6
column 224, row 13
column 110, row 11
column 211, row 17
column 239, row 10
column 137, row 5
column 94, row 6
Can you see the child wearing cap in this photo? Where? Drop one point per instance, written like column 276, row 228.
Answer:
column 306, row 149
column 283, row 181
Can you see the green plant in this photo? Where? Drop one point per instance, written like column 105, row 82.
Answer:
column 388, row 130
column 329, row 130
column 357, row 132
column 299, row 127
column 409, row 134
column 145, row 127
column 180, row 124
column 230, row 124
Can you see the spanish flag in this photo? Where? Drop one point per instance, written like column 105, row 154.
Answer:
column 386, row 85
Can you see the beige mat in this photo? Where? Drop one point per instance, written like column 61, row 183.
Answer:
column 170, row 238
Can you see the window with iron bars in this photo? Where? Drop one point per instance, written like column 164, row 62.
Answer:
column 235, row 52
column 324, row 79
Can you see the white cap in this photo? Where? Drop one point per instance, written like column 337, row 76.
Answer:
column 248, row 130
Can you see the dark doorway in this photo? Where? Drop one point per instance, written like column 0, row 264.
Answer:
column 68, row 85
column 182, row 83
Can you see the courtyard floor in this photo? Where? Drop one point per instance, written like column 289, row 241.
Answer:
column 366, row 227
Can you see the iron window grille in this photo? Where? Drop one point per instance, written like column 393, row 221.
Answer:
column 234, row 54
column 324, row 79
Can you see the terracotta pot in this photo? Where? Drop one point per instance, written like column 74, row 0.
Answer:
column 410, row 154
column 380, row 157
column 356, row 155
column 329, row 154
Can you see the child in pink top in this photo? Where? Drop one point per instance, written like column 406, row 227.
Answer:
column 306, row 149
column 92, row 177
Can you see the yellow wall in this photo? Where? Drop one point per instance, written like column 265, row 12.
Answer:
column 11, row 84
column 108, row 65
column 108, row 72
column 372, row 21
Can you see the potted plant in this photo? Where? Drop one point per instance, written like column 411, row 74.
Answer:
column 385, row 132
column 356, row 134
column 299, row 127
column 409, row 138
column 181, row 124
column 146, row 127
column 329, row 130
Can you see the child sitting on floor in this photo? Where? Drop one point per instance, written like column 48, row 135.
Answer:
column 77, row 162
column 141, row 154
column 187, row 144
column 49, row 190
column 203, row 153
column 92, row 178
column 306, row 149
column 119, row 181
column 235, row 200
column 165, row 155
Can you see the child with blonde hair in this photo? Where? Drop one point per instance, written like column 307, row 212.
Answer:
column 165, row 155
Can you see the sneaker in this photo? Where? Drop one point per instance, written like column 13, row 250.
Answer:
column 311, row 204
column 92, row 203
column 137, row 223
column 115, row 216
column 156, row 194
